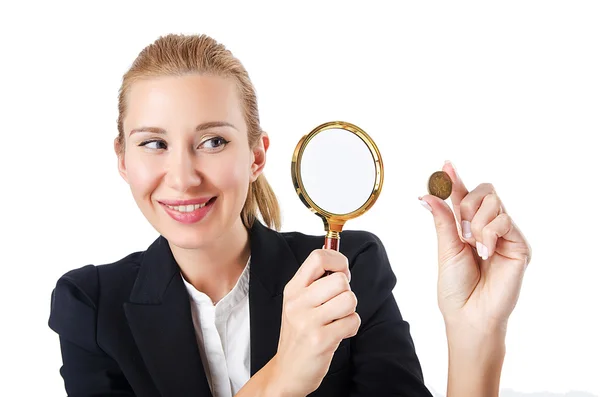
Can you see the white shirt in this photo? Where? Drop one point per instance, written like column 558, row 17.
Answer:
column 223, row 335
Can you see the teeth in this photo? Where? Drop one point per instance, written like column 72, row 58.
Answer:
column 186, row 208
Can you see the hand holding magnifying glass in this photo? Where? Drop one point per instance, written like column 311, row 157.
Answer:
column 338, row 174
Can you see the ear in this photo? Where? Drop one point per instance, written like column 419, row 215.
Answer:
column 120, row 152
column 259, row 157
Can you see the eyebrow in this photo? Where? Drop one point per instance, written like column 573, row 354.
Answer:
column 199, row 127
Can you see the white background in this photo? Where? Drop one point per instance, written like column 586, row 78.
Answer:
column 509, row 91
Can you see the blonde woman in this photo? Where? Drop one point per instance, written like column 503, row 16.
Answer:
column 223, row 304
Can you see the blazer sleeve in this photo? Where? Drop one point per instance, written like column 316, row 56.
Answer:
column 384, row 359
column 87, row 370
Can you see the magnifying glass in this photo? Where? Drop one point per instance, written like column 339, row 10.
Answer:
column 337, row 172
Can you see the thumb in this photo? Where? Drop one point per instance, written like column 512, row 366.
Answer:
column 449, row 242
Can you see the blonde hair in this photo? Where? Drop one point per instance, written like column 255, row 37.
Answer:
column 175, row 55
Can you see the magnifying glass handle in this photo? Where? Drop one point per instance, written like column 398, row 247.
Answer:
column 332, row 239
column 332, row 243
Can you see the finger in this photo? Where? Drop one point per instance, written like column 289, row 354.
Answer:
column 327, row 273
column 343, row 328
column 337, row 307
column 316, row 264
column 449, row 243
column 459, row 191
column 503, row 227
column 487, row 212
column 498, row 227
column 327, row 288
column 469, row 207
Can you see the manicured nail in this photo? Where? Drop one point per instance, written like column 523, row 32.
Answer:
column 424, row 203
column 482, row 250
column 466, row 229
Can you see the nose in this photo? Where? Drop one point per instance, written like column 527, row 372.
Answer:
column 181, row 170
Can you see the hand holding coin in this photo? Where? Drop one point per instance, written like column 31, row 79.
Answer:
column 482, row 267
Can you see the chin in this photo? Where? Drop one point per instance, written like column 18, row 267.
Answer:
column 187, row 239
column 186, row 243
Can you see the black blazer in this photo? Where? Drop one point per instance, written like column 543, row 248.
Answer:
column 126, row 328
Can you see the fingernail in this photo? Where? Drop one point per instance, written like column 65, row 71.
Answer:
column 424, row 203
column 349, row 276
column 466, row 229
column 482, row 250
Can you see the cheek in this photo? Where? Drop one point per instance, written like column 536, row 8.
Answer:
column 143, row 176
column 234, row 176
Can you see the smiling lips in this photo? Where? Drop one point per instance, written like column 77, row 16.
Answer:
column 188, row 211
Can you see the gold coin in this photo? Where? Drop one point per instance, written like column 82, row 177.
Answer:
column 440, row 185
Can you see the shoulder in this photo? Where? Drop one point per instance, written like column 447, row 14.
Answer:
column 367, row 257
column 77, row 293
column 85, row 280
column 354, row 244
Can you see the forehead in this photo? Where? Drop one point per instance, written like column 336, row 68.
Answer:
column 194, row 96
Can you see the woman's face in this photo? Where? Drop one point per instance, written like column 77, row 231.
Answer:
column 187, row 158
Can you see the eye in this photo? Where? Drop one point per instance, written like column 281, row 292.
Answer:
column 154, row 144
column 214, row 144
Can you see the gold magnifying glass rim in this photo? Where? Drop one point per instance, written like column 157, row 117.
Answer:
column 297, row 179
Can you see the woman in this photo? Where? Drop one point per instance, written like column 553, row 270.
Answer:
column 223, row 305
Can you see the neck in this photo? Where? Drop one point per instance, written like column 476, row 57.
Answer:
column 215, row 269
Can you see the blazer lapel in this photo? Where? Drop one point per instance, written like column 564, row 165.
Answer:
column 159, row 312
column 159, row 316
column 272, row 265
